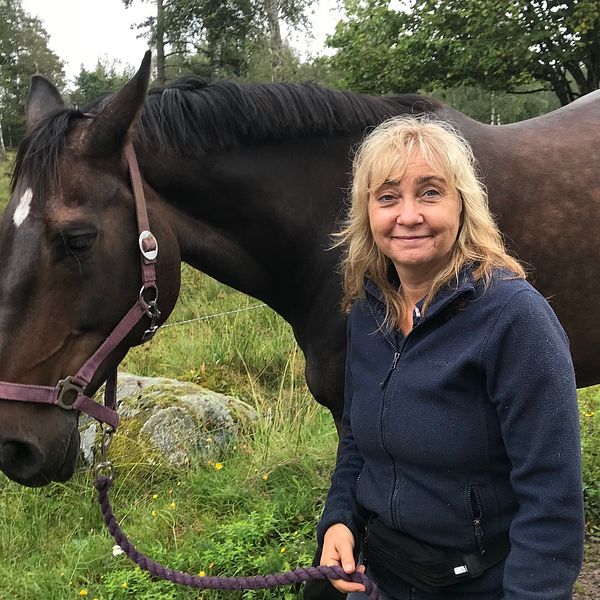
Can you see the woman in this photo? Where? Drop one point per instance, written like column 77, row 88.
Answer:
column 461, row 457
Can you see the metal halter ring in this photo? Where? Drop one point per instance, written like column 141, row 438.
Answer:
column 149, row 301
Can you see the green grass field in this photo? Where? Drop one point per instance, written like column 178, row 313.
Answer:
column 250, row 510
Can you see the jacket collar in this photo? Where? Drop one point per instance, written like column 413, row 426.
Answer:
column 465, row 285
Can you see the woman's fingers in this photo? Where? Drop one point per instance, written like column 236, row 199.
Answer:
column 338, row 550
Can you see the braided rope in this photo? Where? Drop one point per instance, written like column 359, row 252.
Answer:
column 102, row 484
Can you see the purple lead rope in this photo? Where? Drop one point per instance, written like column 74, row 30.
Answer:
column 102, row 484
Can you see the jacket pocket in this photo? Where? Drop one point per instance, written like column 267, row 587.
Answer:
column 476, row 512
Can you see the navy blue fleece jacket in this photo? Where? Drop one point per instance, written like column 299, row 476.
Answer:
column 473, row 413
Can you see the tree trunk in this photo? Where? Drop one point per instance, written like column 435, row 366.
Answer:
column 2, row 146
column 160, row 44
column 215, row 57
column 275, row 44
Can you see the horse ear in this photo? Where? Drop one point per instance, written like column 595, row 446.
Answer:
column 108, row 131
column 43, row 98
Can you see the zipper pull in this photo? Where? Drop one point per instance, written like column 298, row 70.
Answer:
column 479, row 535
column 391, row 369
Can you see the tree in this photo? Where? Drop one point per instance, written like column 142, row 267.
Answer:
column 23, row 52
column 106, row 77
column 498, row 44
column 218, row 37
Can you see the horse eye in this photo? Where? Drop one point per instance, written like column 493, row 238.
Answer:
column 79, row 243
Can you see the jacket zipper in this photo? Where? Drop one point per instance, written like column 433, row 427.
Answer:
column 390, row 370
column 476, row 509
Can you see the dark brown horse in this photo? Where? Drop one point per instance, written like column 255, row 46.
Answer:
column 246, row 183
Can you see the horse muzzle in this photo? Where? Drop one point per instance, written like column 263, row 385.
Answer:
column 36, row 455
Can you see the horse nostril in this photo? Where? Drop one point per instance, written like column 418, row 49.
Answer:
column 20, row 459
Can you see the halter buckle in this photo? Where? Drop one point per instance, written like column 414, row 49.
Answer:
column 68, row 392
column 148, row 245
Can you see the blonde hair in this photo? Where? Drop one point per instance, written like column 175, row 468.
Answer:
column 388, row 148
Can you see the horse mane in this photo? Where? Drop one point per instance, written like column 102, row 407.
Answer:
column 39, row 151
column 191, row 116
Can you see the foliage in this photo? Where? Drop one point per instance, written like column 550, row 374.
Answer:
column 106, row 77
column 495, row 108
column 497, row 44
column 218, row 39
column 23, row 51
column 5, row 172
column 589, row 405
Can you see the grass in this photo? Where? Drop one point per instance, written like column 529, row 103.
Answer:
column 251, row 510
column 5, row 172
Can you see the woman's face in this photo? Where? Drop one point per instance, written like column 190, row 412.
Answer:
column 415, row 218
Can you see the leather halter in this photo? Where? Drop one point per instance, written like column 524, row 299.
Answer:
column 69, row 393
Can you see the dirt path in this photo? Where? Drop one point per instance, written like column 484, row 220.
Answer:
column 588, row 584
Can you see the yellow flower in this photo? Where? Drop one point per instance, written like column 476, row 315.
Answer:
column 282, row 549
column 153, row 513
column 590, row 414
column 125, row 585
column 266, row 476
column 172, row 506
column 202, row 573
column 83, row 592
column 154, row 496
column 218, row 466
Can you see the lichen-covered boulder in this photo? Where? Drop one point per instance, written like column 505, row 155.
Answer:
column 183, row 422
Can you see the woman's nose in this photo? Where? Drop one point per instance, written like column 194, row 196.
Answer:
column 409, row 214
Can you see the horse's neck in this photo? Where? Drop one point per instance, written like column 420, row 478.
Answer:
column 258, row 220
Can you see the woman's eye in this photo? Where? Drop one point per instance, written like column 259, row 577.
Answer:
column 386, row 198
column 431, row 194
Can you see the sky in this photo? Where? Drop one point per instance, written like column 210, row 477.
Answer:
column 82, row 31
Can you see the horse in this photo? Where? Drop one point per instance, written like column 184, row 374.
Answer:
column 245, row 182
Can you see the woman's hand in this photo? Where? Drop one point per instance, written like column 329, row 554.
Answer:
column 338, row 551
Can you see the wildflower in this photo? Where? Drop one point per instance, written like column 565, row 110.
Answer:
column 116, row 550
column 154, row 496
column 218, row 466
column 265, row 476
column 202, row 573
column 153, row 513
column 590, row 414
column 172, row 506
column 125, row 585
column 282, row 550
column 83, row 592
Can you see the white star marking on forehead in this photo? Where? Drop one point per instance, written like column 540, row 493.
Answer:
column 22, row 209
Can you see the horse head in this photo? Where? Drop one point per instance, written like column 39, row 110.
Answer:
column 70, row 267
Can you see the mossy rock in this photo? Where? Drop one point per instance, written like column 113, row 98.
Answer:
column 181, row 421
